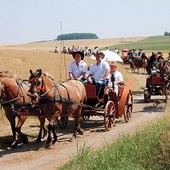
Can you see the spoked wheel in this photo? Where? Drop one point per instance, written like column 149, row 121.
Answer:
column 62, row 122
column 128, row 107
column 109, row 115
column 86, row 116
column 147, row 96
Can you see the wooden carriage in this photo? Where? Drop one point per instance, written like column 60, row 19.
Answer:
column 112, row 107
column 154, row 86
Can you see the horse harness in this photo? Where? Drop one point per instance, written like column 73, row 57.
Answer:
column 55, row 98
column 60, row 98
column 15, row 105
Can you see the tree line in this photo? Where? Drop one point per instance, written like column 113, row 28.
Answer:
column 166, row 33
column 76, row 36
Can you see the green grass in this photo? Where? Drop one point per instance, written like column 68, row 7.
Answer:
column 147, row 149
column 158, row 43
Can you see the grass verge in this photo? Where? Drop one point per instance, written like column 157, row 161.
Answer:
column 147, row 149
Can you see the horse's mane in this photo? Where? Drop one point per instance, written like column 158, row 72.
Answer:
column 7, row 74
column 48, row 75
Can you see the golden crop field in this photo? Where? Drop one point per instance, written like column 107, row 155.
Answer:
column 20, row 58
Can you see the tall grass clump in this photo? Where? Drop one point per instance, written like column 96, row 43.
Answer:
column 147, row 149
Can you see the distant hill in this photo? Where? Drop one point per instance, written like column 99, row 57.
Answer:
column 158, row 43
column 91, row 43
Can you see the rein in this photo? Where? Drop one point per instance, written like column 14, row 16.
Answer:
column 53, row 99
column 42, row 95
column 20, row 87
column 62, row 99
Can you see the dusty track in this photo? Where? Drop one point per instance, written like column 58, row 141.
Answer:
column 35, row 156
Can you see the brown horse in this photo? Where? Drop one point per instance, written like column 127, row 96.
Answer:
column 15, row 101
column 56, row 100
column 137, row 63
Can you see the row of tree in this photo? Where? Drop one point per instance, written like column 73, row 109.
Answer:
column 166, row 33
column 75, row 36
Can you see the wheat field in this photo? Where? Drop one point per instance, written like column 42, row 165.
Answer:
column 19, row 59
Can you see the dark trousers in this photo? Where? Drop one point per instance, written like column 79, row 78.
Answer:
column 99, row 85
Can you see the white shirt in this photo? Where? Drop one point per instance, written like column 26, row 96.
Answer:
column 118, row 77
column 95, row 51
column 77, row 71
column 98, row 71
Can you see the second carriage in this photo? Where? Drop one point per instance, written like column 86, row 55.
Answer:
column 155, row 86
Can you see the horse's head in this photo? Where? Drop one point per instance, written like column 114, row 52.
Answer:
column 37, row 84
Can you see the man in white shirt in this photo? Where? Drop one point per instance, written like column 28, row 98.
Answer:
column 98, row 73
column 115, row 78
column 78, row 68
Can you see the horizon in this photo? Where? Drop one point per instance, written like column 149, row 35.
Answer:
column 34, row 21
column 41, row 41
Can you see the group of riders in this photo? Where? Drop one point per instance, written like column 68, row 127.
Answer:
column 152, row 64
column 100, row 73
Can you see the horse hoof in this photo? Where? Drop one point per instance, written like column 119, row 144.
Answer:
column 24, row 139
column 54, row 141
column 48, row 145
column 80, row 131
column 71, row 139
column 14, row 144
column 38, row 139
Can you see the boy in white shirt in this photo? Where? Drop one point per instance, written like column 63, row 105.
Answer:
column 115, row 78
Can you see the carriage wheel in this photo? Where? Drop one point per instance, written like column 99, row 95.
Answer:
column 128, row 107
column 109, row 115
column 86, row 116
column 62, row 122
column 147, row 96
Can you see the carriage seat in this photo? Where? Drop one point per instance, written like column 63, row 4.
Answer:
column 90, row 91
column 154, row 80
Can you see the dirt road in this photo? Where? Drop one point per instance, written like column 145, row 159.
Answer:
column 35, row 156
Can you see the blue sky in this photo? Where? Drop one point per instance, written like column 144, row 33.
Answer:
column 36, row 20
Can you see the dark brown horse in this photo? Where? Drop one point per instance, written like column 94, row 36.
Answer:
column 15, row 101
column 137, row 63
column 56, row 100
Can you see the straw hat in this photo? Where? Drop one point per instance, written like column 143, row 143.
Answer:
column 100, row 53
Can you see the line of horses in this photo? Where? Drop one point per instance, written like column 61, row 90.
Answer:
column 144, row 62
column 41, row 96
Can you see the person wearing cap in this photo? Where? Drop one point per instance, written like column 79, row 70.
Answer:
column 115, row 78
column 77, row 68
column 98, row 73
